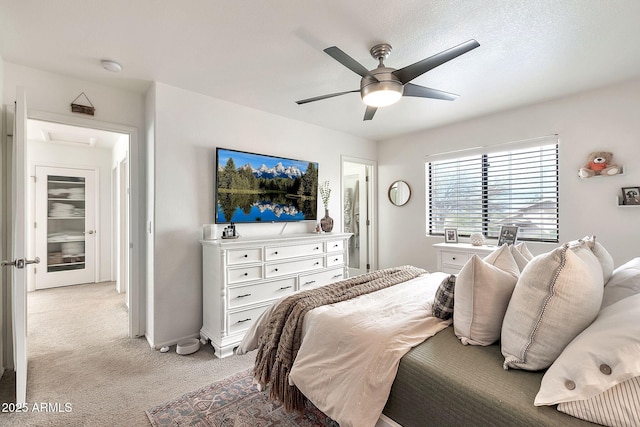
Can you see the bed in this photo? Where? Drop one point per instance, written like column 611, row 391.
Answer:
column 384, row 352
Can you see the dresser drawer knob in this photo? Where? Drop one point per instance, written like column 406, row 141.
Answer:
column 285, row 287
column 245, row 320
column 308, row 283
column 244, row 296
column 276, row 252
column 275, row 269
column 336, row 259
column 336, row 276
column 316, row 248
column 246, row 274
column 246, row 256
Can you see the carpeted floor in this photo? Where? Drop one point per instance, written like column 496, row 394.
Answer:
column 234, row 401
column 87, row 372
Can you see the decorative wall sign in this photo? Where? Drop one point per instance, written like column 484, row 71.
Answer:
column 83, row 109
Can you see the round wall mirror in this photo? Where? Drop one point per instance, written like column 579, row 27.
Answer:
column 399, row 193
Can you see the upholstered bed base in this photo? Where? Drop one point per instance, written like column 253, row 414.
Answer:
column 443, row 383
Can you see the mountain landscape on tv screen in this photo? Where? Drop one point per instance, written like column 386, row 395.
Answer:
column 265, row 189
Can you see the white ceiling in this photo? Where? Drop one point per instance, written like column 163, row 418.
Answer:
column 268, row 54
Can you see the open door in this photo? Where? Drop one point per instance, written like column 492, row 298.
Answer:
column 17, row 261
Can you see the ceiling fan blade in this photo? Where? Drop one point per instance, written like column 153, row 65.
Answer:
column 410, row 72
column 318, row 98
column 411, row 89
column 369, row 113
column 348, row 61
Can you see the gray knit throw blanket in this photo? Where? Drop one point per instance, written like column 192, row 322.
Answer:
column 279, row 343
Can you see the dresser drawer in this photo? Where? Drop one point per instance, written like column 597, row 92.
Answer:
column 242, row 320
column 244, row 274
column 292, row 267
column 310, row 281
column 335, row 246
column 454, row 258
column 244, row 256
column 264, row 291
column 282, row 252
column 335, row 259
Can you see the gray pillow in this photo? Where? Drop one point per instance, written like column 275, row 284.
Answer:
column 557, row 296
column 443, row 302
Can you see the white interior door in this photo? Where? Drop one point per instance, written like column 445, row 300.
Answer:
column 66, row 232
column 17, row 262
column 356, row 186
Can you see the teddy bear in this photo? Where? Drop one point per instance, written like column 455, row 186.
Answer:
column 599, row 164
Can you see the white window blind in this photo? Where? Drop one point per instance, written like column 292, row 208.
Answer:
column 483, row 191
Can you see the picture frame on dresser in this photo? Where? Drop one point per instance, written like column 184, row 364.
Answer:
column 450, row 235
column 508, row 234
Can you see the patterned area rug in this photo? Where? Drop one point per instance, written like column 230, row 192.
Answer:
column 233, row 402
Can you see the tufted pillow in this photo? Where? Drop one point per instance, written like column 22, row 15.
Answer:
column 558, row 295
column 443, row 301
column 624, row 282
column 482, row 293
column 600, row 369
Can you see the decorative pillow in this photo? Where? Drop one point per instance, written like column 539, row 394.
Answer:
column 443, row 301
column 482, row 293
column 557, row 296
column 520, row 259
column 522, row 248
column 618, row 406
column 605, row 258
column 597, row 376
column 624, row 282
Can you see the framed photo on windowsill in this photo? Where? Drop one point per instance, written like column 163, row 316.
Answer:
column 631, row 195
column 450, row 235
column 508, row 235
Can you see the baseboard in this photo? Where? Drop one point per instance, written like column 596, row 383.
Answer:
column 385, row 421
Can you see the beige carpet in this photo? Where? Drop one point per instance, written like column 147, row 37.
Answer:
column 81, row 359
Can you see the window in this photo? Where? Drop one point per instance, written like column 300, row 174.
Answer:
column 483, row 191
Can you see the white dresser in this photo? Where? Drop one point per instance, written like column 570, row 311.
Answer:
column 243, row 277
column 453, row 256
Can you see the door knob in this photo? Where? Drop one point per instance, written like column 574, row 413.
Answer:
column 20, row 262
column 90, row 232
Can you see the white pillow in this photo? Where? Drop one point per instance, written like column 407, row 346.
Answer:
column 520, row 259
column 604, row 257
column 522, row 248
column 618, row 406
column 624, row 282
column 482, row 292
column 557, row 296
column 599, row 364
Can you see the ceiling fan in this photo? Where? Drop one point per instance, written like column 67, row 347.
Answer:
column 384, row 86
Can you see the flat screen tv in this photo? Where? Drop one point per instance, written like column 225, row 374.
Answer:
column 254, row 188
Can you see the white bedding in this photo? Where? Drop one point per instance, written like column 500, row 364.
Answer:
column 351, row 350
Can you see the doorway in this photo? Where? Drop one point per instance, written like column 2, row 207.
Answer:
column 358, row 202
column 56, row 141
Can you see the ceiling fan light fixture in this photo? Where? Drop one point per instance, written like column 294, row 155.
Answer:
column 382, row 94
column 382, row 98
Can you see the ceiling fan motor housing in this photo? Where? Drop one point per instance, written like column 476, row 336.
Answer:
column 386, row 81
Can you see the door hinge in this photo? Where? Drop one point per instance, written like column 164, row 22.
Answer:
column 35, row 178
column 35, row 225
column 368, row 223
column 368, row 266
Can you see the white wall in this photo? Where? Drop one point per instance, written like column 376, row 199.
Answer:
column 600, row 120
column 59, row 155
column 188, row 128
